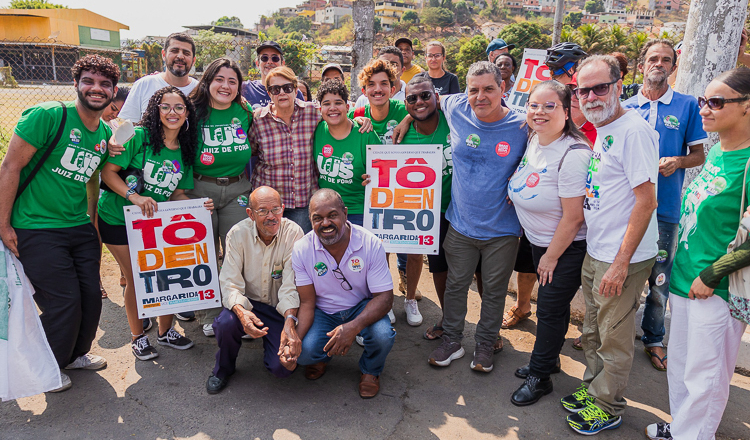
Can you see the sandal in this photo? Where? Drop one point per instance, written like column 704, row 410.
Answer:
column 653, row 355
column 513, row 317
column 430, row 335
column 104, row 292
column 577, row 343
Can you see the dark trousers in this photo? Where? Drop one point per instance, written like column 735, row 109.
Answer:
column 553, row 307
column 229, row 331
column 63, row 266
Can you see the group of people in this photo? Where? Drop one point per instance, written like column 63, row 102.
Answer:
column 582, row 190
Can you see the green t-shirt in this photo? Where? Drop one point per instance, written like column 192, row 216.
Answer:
column 396, row 113
column 163, row 173
column 442, row 135
column 341, row 163
column 223, row 150
column 709, row 218
column 56, row 196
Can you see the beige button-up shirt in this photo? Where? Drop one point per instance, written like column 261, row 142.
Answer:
column 252, row 270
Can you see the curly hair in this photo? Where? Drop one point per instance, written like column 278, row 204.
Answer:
column 201, row 96
column 374, row 67
column 96, row 64
column 334, row 87
column 188, row 134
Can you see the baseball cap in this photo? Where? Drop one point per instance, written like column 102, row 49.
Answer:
column 403, row 40
column 269, row 44
column 499, row 43
column 332, row 66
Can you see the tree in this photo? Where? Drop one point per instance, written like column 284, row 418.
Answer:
column 434, row 3
column 298, row 23
column 280, row 22
column 437, row 17
column 617, row 39
column 376, row 25
column 154, row 60
column 594, row 6
column 471, row 52
column 591, row 38
column 573, row 19
column 210, row 45
column 463, row 13
column 34, row 4
column 410, row 17
column 448, row 4
column 297, row 54
column 526, row 34
column 233, row 22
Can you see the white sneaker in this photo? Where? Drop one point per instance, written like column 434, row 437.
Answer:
column 87, row 362
column 360, row 340
column 392, row 317
column 66, row 384
column 413, row 317
column 208, row 330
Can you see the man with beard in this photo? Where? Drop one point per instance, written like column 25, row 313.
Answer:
column 345, row 289
column 257, row 290
column 51, row 157
column 178, row 56
column 268, row 57
column 675, row 117
column 621, row 243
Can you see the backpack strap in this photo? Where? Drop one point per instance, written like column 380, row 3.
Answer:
column 46, row 154
column 359, row 112
column 572, row 147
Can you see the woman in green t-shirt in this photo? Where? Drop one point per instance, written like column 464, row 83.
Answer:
column 704, row 338
column 167, row 145
column 223, row 155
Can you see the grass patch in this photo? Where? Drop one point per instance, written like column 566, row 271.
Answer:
column 4, row 141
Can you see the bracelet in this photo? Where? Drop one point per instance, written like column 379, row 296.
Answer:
column 296, row 321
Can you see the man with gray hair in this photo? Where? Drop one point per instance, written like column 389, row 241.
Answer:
column 619, row 208
column 488, row 143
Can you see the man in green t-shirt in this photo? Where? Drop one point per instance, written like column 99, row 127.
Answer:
column 47, row 226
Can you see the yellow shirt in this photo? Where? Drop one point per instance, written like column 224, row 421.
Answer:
column 409, row 74
column 252, row 270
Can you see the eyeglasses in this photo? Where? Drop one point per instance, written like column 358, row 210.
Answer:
column 434, row 55
column 287, row 88
column 340, row 276
column 264, row 212
column 177, row 108
column 717, row 102
column 274, row 58
column 424, row 96
column 599, row 90
column 547, row 107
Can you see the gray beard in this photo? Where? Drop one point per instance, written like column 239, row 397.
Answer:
column 598, row 116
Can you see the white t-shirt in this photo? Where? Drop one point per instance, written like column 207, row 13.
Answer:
column 398, row 96
column 537, row 186
column 142, row 91
column 626, row 154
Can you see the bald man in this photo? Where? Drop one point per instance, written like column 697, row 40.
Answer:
column 257, row 290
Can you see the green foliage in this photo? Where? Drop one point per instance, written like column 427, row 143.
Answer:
column 434, row 3
column 594, row 6
column 299, row 24
column 4, row 141
column 280, row 22
column 233, row 22
column 493, row 11
column 34, row 4
column 591, row 38
column 297, row 54
column 437, row 17
column 470, row 52
column 210, row 45
column 410, row 17
column 526, row 34
column 463, row 14
column 617, row 39
column 573, row 19
column 376, row 25
column 447, row 4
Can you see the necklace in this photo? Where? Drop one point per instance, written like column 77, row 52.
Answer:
column 420, row 137
column 738, row 145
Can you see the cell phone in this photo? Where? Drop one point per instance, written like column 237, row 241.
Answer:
column 124, row 132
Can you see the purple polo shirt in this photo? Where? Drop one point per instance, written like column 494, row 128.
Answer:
column 363, row 265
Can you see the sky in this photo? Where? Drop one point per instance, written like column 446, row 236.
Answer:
column 158, row 17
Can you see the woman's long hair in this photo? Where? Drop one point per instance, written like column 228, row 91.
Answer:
column 565, row 95
column 188, row 134
column 201, row 96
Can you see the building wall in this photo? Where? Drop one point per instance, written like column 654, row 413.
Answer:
column 43, row 23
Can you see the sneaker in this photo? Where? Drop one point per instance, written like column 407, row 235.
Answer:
column 482, row 361
column 175, row 340
column 659, row 431
column 66, row 384
column 185, row 316
column 413, row 317
column 447, row 352
column 142, row 348
column 360, row 340
column 392, row 317
column 577, row 401
column 402, row 285
column 87, row 362
column 592, row 420
column 208, row 330
column 147, row 324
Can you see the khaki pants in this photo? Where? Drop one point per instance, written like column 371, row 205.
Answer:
column 609, row 332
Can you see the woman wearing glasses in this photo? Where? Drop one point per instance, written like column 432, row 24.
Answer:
column 704, row 337
column 445, row 82
column 547, row 190
column 163, row 148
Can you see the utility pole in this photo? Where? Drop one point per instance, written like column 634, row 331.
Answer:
column 363, row 13
column 710, row 47
column 557, row 28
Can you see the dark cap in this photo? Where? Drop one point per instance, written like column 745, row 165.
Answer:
column 499, row 43
column 269, row 44
column 404, row 40
column 332, row 66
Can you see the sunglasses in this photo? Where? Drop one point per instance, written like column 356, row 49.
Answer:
column 717, row 102
column 274, row 58
column 547, row 107
column 287, row 88
column 599, row 90
column 424, row 96
column 177, row 108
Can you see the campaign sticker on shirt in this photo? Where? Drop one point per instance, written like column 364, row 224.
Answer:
column 347, row 158
column 502, row 149
column 356, row 264
column 671, row 122
column 170, row 167
column 448, row 139
column 660, row 279
column 472, row 141
column 103, row 146
column 240, row 134
column 532, row 180
column 242, row 201
column 321, row 268
column 236, row 123
column 276, row 274
column 207, row 158
column 75, row 136
column 607, row 144
column 327, row 150
column 716, row 186
column 661, row 256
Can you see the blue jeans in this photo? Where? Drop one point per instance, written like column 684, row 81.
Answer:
column 301, row 216
column 658, row 283
column 401, row 261
column 379, row 338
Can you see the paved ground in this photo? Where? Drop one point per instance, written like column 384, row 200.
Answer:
column 166, row 398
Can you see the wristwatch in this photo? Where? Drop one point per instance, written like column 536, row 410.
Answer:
column 296, row 321
column 130, row 192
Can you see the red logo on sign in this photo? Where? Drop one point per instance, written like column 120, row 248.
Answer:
column 327, row 150
column 502, row 149
column 532, row 180
column 207, row 158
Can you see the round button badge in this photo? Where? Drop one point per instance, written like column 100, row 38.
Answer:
column 502, row 149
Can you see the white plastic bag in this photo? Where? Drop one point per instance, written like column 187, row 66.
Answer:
column 27, row 365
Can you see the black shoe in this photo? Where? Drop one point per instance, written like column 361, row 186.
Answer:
column 522, row 372
column 147, row 324
column 185, row 316
column 214, row 385
column 531, row 391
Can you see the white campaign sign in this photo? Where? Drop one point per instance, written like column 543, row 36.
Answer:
column 173, row 258
column 402, row 201
column 532, row 71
